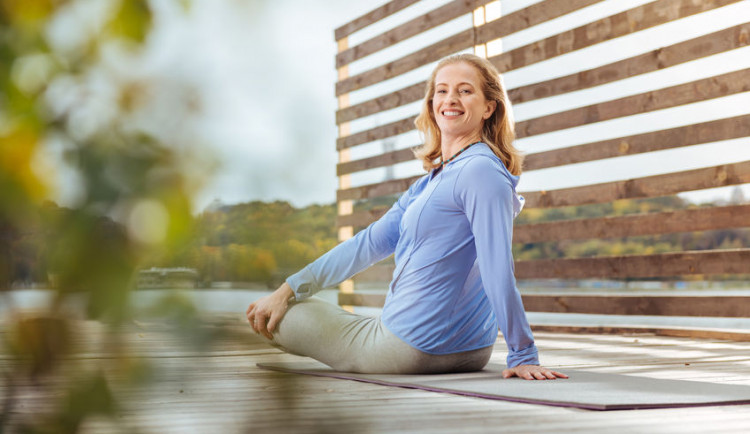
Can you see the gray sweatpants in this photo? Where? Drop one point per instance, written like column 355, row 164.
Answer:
column 350, row 342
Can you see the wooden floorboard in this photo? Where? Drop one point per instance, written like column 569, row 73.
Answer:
column 219, row 388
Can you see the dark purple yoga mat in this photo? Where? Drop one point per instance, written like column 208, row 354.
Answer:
column 587, row 390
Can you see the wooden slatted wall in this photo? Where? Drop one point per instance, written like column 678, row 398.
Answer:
column 381, row 83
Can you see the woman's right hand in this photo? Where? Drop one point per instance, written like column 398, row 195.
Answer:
column 265, row 313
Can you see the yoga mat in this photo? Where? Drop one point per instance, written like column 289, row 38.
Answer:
column 587, row 390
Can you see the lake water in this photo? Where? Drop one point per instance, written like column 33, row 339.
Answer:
column 237, row 300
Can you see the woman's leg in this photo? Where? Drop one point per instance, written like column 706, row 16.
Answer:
column 356, row 343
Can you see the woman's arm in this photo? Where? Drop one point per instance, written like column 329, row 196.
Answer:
column 486, row 194
column 367, row 247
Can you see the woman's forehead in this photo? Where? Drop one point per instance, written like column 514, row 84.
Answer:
column 456, row 73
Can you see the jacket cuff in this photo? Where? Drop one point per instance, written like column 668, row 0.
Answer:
column 526, row 356
column 303, row 284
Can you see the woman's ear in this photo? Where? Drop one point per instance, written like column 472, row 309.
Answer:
column 491, row 106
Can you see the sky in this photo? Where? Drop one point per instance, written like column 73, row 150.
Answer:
column 266, row 76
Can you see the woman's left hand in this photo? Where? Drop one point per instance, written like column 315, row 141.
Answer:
column 532, row 372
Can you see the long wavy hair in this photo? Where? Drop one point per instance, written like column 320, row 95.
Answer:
column 497, row 131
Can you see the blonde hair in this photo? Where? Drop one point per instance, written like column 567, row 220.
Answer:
column 497, row 131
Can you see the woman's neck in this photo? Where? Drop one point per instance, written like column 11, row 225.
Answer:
column 449, row 146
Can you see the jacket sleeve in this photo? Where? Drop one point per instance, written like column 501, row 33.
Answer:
column 367, row 247
column 486, row 193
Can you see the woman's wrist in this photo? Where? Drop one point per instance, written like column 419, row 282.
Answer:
column 285, row 291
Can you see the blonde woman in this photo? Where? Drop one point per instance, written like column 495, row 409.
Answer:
column 453, row 285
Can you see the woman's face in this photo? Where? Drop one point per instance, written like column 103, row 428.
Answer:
column 458, row 104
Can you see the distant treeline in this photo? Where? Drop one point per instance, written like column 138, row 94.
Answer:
column 267, row 241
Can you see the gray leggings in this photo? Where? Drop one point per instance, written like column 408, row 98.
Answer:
column 349, row 342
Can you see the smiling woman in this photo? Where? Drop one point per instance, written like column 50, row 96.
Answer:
column 453, row 285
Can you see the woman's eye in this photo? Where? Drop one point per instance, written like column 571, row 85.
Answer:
column 440, row 91
column 466, row 91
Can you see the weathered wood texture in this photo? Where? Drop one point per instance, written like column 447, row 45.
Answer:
column 735, row 261
column 434, row 18
column 701, row 90
column 696, row 48
column 708, row 262
column 688, row 135
column 624, row 23
column 371, row 17
column 382, row 160
column 688, row 220
column 704, row 306
column 462, row 40
column 650, row 186
column 222, row 390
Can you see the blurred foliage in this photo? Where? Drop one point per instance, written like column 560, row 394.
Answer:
column 68, row 81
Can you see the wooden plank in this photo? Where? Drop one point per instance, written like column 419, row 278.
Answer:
column 703, row 46
column 382, row 160
column 725, row 335
column 687, row 220
column 707, row 306
column 432, row 53
column 624, row 23
column 378, row 133
column 371, row 17
column 374, row 190
column 694, row 134
column 661, row 58
column 361, row 218
column 700, row 90
column 650, row 186
column 533, row 15
column 736, row 261
column 395, row 99
column 514, row 22
column 405, row 31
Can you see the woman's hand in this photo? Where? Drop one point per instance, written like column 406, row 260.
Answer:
column 532, row 372
column 264, row 314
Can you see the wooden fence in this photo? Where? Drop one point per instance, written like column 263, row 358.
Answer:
column 484, row 30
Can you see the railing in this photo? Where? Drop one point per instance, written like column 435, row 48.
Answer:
column 582, row 129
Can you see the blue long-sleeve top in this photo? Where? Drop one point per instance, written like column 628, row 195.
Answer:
column 453, row 284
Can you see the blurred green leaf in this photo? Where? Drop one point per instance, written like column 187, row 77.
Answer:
column 132, row 20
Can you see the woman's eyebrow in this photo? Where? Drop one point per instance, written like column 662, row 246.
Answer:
column 459, row 84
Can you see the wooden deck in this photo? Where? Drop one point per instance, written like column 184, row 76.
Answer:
column 220, row 390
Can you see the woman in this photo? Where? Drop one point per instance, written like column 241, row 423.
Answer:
column 453, row 284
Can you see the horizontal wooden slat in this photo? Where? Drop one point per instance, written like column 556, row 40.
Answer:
column 687, row 93
column 374, row 190
column 703, row 46
column 692, row 333
column 432, row 53
column 650, row 186
column 688, row 220
column 641, row 266
column 395, row 99
column 360, row 218
column 405, row 31
column 646, row 305
column 701, row 90
column 530, row 16
column 378, row 133
column 371, row 17
column 382, row 160
column 608, row 28
column 712, row 306
column 695, row 134
column 513, row 22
